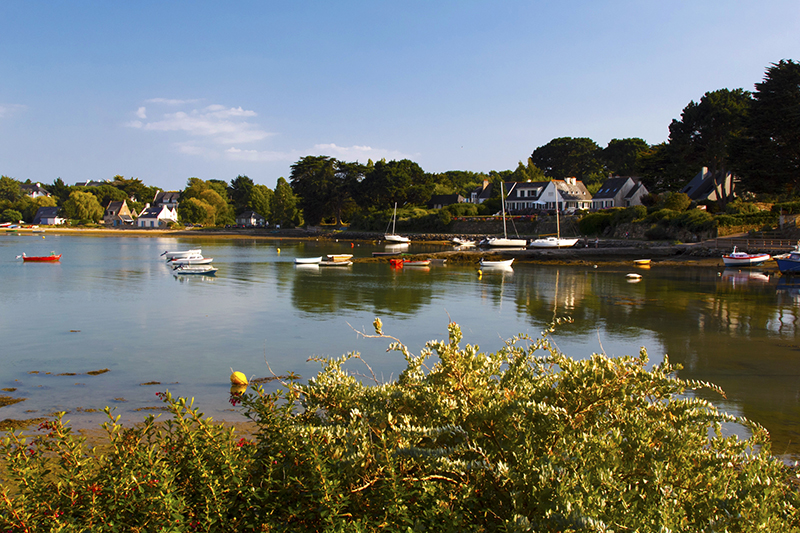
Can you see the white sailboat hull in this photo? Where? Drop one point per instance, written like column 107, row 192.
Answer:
column 391, row 237
column 553, row 242
column 497, row 242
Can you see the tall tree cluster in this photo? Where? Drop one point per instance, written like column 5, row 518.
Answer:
column 331, row 189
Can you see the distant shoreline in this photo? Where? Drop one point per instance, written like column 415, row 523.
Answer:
column 609, row 252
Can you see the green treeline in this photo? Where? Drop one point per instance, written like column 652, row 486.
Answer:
column 753, row 135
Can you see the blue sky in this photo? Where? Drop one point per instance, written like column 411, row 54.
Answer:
column 164, row 91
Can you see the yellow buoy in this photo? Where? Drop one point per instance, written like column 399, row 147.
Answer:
column 42, row 236
column 279, row 250
column 237, row 378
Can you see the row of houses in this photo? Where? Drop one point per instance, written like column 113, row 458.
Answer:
column 569, row 194
column 566, row 195
column 161, row 213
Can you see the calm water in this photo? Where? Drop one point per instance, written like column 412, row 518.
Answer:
column 112, row 303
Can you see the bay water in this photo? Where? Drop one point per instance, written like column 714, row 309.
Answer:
column 112, row 303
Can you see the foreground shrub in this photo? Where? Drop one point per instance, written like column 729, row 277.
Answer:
column 524, row 439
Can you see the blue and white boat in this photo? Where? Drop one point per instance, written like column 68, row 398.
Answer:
column 789, row 263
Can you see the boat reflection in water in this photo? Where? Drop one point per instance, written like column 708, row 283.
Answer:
column 789, row 286
column 736, row 277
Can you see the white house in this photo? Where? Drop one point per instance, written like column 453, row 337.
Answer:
column 250, row 218
column 528, row 195
column 48, row 216
column 156, row 217
column 619, row 191
column 34, row 190
column 167, row 198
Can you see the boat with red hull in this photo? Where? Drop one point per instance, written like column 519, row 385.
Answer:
column 52, row 258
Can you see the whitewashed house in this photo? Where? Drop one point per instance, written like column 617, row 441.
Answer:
column 156, row 217
column 48, row 216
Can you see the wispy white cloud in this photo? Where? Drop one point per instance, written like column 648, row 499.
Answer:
column 6, row 110
column 211, row 126
column 219, row 132
column 237, row 154
column 359, row 153
column 171, row 101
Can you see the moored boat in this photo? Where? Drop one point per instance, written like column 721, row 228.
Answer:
column 52, row 258
column 501, row 263
column 307, row 260
column 191, row 260
column 394, row 237
column 789, row 263
column 181, row 253
column 339, row 257
column 742, row 259
column 553, row 242
column 207, row 270
column 421, row 262
column 641, row 262
column 504, row 241
column 335, row 263
column 463, row 243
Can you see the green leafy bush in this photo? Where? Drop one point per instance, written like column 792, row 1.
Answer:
column 595, row 223
column 463, row 209
column 790, row 208
column 524, row 439
column 759, row 218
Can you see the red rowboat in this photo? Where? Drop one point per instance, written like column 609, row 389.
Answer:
column 41, row 258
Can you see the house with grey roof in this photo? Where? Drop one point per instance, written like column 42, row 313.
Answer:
column 167, row 198
column 118, row 214
column 438, row 201
column 250, row 218
column 34, row 190
column 156, row 217
column 573, row 195
column 48, row 216
column 703, row 187
column 480, row 194
column 619, row 191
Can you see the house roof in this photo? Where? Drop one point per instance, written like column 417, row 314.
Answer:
column 636, row 189
column 45, row 212
column 483, row 192
column 32, row 188
column 537, row 187
column 445, row 199
column 151, row 212
column 167, row 197
column 611, row 187
column 572, row 190
column 115, row 206
column 250, row 214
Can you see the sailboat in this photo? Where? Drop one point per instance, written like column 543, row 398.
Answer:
column 505, row 242
column 557, row 241
column 394, row 237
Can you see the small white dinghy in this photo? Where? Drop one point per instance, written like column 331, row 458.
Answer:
column 181, row 254
column 183, row 270
column 307, row 260
column 496, row 264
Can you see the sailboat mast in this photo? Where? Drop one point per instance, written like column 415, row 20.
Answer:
column 394, row 217
column 503, row 204
column 558, row 223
